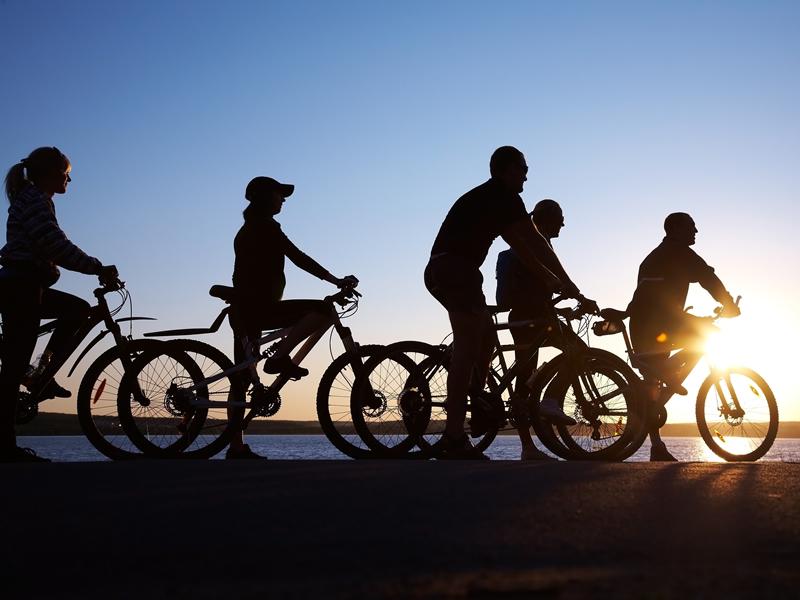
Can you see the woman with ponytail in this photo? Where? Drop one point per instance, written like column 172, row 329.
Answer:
column 35, row 248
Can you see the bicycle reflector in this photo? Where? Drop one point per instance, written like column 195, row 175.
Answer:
column 99, row 391
column 606, row 327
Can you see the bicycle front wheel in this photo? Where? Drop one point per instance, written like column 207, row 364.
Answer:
column 97, row 400
column 187, row 408
column 737, row 414
column 603, row 401
column 333, row 404
column 385, row 398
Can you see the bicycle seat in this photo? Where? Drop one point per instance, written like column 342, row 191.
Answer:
column 493, row 310
column 223, row 292
column 612, row 314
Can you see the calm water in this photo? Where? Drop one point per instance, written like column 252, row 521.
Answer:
column 308, row 447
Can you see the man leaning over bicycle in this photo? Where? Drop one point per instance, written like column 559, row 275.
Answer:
column 530, row 298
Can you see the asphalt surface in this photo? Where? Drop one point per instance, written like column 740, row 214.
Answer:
column 375, row 529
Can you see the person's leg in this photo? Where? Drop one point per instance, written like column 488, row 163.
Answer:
column 242, row 337
column 305, row 317
column 551, row 406
column 70, row 312
column 658, row 396
column 521, row 393
column 468, row 340
column 20, row 309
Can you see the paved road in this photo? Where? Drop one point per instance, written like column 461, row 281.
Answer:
column 314, row 529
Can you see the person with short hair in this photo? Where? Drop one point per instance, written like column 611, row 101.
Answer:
column 35, row 247
column 453, row 278
column 529, row 298
column 261, row 250
column 658, row 321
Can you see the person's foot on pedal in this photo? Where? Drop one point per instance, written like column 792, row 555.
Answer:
column 244, row 453
column 284, row 366
column 53, row 390
column 460, row 449
column 533, row 453
column 17, row 454
column 659, row 453
column 551, row 411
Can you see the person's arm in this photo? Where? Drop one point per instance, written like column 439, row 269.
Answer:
column 704, row 274
column 39, row 221
column 305, row 262
column 536, row 255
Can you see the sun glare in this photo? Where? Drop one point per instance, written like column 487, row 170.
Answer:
column 723, row 349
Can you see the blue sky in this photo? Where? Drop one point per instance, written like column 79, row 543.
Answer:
column 384, row 113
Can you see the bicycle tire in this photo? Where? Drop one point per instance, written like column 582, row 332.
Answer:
column 164, row 430
column 544, row 430
column 424, row 424
column 97, row 401
column 724, row 437
column 617, row 427
column 434, row 362
column 379, row 403
column 333, row 405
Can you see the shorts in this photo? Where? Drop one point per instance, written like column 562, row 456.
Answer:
column 254, row 318
column 456, row 283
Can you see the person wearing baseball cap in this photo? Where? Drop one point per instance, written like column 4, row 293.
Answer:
column 261, row 250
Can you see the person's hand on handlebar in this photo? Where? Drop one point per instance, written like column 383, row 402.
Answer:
column 350, row 281
column 588, row 305
column 108, row 275
column 728, row 310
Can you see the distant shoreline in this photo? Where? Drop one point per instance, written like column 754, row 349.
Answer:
column 53, row 424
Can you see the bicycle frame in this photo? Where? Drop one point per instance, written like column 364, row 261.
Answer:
column 99, row 314
column 345, row 334
column 504, row 379
column 682, row 363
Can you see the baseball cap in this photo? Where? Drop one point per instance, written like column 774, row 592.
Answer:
column 259, row 186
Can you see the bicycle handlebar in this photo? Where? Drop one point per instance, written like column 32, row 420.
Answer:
column 343, row 296
column 106, row 287
column 570, row 314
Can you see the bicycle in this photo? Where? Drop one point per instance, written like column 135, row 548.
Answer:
column 598, row 383
column 97, row 392
column 189, row 421
column 736, row 411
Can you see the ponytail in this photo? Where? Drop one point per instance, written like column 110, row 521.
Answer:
column 40, row 162
column 15, row 180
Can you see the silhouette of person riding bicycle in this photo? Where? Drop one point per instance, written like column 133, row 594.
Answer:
column 658, row 321
column 261, row 249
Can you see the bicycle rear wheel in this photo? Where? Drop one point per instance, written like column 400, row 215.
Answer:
column 737, row 414
column 177, row 418
column 97, row 400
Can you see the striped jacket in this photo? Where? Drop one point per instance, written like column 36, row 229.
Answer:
column 34, row 237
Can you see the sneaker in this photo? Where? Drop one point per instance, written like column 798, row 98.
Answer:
column 53, row 390
column 659, row 453
column 533, row 453
column 18, row 454
column 284, row 366
column 244, row 453
column 551, row 411
column 460, row 449
column 50, row 390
